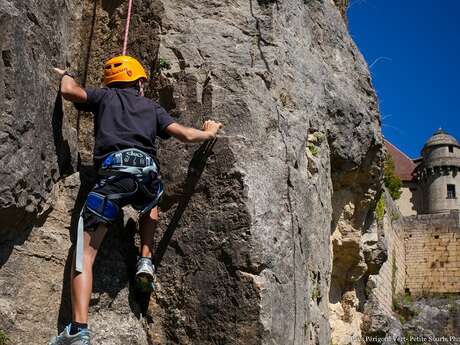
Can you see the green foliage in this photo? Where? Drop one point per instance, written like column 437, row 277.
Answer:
column 394, row 269
column 315, row 286
column 406, row 298
column 403, row 306
column 394, row 216
column 313, row 149
column 306, row 328
column 392, row 182
column 163, row 64
column 380, row 209
column 316, row 293
column 285, row 99
column 4, row 338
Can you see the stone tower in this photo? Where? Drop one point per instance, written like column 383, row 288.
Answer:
column 438, row 173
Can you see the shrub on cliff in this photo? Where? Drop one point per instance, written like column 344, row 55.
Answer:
column 3, row 338
column 392, row 182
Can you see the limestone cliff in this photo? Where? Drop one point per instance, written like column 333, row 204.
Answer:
column 37, row 146
column 270, row 247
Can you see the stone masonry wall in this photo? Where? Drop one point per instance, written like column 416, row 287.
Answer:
column 422, row 257
column 433, row 253
column 390, row 281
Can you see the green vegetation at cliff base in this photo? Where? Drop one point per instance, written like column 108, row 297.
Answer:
column 3, row 338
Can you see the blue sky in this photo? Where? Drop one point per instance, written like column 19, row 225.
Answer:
column 413, row 50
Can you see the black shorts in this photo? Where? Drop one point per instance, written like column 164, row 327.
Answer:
column 126, row 190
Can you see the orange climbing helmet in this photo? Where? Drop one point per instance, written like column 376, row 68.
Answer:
column 121, row 69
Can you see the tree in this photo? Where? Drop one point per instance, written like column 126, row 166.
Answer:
column 392, row 182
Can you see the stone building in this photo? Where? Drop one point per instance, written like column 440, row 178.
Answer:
column 430, row 183
column 422, row 228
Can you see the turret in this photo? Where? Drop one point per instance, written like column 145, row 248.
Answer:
column 439, row 173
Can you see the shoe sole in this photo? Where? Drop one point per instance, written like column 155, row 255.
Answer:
column 144, row 282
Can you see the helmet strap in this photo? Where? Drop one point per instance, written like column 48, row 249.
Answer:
column 140, row 87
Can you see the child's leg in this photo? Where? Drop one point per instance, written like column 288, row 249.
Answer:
column 148, row 224
column 82, row 283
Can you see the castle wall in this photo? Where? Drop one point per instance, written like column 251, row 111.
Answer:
column 423, row 255
column 390, row 281
column 409, row 202
column 433, row 253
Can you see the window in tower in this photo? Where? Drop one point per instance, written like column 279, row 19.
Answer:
column 451, row 148
column 451, row 191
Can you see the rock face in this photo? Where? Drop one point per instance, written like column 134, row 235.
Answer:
column 251, row 260
column 429, row 320
column 436, row 317
column 36, row 141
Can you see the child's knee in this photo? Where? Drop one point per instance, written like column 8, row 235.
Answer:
column 89, row 256
column 153, row 214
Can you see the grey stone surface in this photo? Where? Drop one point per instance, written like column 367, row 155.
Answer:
column 379, row 326
column 251, row 261
column 432, row 320
column 37, row 144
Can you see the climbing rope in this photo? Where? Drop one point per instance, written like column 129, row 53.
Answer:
column 128, row 22
column 88, row 53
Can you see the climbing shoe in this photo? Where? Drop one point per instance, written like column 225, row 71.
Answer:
column 81, row 338
column 145, row 274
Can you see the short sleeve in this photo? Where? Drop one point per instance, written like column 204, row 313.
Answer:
column 94, row 97
column 163, row 121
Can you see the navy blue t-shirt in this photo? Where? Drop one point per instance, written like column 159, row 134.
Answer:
column 124, row 119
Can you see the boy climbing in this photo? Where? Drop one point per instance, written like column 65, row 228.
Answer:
column 125, row 127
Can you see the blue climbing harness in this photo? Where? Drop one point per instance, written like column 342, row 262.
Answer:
column 130, row 162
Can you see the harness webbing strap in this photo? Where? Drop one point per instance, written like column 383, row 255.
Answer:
column 79, row 245
column 153, row 203
column 123, row 195
column 146, row 191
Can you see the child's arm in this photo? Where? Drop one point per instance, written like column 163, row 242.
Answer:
column 192, row 135
column 70, row 90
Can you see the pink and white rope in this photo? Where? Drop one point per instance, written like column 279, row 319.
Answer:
column 128, row 22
